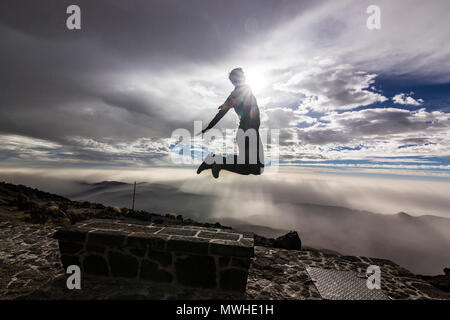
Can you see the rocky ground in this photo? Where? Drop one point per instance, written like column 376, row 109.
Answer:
column 28, row 257
column 31, row 269
column 281, row 274
column 30, row 265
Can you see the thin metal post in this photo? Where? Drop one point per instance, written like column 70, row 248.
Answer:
column 134, row 195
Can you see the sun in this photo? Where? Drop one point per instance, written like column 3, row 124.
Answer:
column 256, row 79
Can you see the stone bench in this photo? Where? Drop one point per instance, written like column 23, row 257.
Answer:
column 180, row 255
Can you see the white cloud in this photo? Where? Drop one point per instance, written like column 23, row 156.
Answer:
column 12, row 142
column 326, row 87
column 403, row 98
column 412, row 40
column 362, row 134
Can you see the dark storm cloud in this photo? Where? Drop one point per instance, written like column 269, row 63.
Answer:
column 57, row 84
column 196, row 29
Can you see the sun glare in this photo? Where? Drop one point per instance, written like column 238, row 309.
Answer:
column 256, row 79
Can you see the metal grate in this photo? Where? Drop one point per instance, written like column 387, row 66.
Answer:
column 343, row 285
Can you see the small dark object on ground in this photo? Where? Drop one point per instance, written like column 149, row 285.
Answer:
column 290, row 241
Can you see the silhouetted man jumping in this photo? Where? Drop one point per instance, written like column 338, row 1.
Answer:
column 250, row 159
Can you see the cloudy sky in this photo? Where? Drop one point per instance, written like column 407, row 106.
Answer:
column 343, row 97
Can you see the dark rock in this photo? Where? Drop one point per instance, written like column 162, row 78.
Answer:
column 64, row 206
column 158, row 221
column 39, row 215
column 179, row 244
column 24, row 203
column 246, row 242
column 233, row 279
column 140, row 240
column 105, row 238
column 218, row 235
column 95, row 249
column 227, row 250
column 85, row 204
column 427, row 288
column 123, row 265
column 70, row 235
column 150, row 272
column 263, row 241
column 224, row 261
column 69, row 261
column 240, row 262
column 196, row 271
column 264, row 262
column 351, row 258
column 95, row 265
column 379, row 261
column 441, row 282
column 99, row 206
column 105, row 225
column 164, row 258
column 138, row 252
column 290, row 241
column 178, row 232
column 402, row 272
column 69, row 247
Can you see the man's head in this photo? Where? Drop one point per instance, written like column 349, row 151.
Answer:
column 237, row 77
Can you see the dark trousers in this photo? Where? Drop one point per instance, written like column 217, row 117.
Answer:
column 250, row 159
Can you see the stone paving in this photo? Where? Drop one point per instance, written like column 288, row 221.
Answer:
column 29, row 258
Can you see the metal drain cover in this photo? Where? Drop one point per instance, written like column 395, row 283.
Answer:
column 343, row 285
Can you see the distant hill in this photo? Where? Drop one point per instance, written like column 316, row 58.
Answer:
column 90, row 189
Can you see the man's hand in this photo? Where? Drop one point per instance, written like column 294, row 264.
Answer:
column 202, row 132
column 223, row 109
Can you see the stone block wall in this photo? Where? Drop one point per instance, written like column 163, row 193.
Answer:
column 180, row 255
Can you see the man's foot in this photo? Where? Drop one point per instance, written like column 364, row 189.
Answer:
column 256, row 169
column 209, row 160
column 202, row 167
column 215, row 169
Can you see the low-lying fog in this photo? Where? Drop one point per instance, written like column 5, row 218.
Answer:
column 350, row 214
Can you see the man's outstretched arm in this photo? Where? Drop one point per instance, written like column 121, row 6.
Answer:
column 223, row 110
